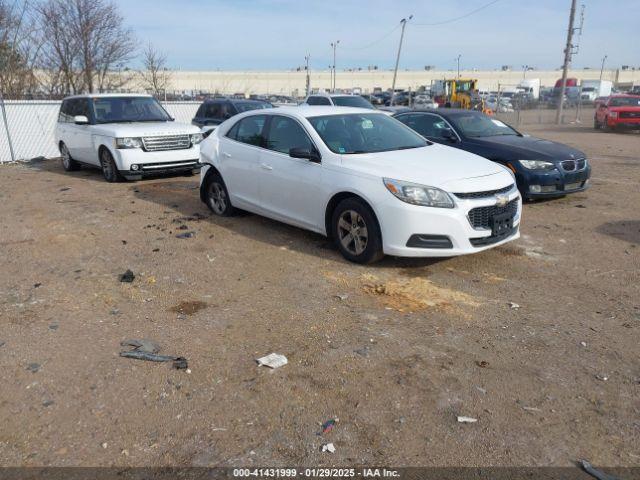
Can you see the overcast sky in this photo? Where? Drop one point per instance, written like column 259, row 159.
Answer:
column 276, row 34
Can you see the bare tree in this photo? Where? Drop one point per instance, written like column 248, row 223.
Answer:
column 19, row 49
column 86, row 42
column 155, row 77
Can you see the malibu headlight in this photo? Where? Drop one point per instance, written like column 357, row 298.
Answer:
column 196, row 138
column 537, row 164
column 128, row 142
column 418, row 194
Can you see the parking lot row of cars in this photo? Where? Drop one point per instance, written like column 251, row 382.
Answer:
column 407, row 183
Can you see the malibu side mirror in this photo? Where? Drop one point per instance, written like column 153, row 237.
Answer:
column 310, row 154
column 80, row 120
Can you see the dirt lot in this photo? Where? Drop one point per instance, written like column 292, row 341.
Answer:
column 411, row 344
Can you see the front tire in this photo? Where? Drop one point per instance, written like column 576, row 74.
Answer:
column 68, row 163
column 109, row 168
column 356, row 231
column 216, row 196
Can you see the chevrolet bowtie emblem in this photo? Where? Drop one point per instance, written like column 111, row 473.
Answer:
column 501, row 200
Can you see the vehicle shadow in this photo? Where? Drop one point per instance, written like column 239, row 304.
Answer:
column 627, row 230
column 183, row 196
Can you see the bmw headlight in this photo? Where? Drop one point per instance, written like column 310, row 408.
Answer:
column 196, row 138
column 128, row 142
column 537, row 164
column 418, row 194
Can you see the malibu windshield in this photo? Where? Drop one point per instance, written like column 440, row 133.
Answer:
column 128, row 109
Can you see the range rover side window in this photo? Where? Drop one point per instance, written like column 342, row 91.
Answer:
column 250, row 130
column 82, row 107
column 65, row 112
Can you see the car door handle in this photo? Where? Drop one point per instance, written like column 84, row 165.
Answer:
column 266, row 167
column 225, row 154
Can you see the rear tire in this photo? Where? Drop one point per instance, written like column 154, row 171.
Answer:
column 356, row 231
column 216, row 196
column 596, row 125
column 68, row 163
column 109, row 168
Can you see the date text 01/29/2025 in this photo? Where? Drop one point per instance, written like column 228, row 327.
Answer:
column 315, row 473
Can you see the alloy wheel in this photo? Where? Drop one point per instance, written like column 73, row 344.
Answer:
column 217, row 198
column 66, row 158
column 352, row 232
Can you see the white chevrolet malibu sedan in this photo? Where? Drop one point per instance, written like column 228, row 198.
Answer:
column 361, row 178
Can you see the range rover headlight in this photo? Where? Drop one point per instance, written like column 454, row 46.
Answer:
column 537, row 164
column 129, row 142
column 418, row 194
column 196, row 138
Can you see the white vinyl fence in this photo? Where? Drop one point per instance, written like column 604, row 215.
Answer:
column 30, row 125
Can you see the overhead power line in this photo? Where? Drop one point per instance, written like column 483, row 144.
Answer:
column 375, row 42
column 455, row 19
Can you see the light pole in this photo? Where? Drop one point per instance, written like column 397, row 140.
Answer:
column 395, row 71
column 308, row 82
column 604, row 59
column 458, row 60
column 334, row 45
column 524, row 71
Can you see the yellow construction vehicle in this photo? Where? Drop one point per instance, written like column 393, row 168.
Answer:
column 459, row 93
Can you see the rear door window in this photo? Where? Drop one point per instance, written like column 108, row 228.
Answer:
column 249, row 130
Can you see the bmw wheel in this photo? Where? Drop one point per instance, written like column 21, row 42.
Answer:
column 356, row 231
column 217, row 196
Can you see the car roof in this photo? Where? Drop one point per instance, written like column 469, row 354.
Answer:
column 226, row 99
column 333, row 95
column 107, row 95
column 445, row 112
column 310, row 111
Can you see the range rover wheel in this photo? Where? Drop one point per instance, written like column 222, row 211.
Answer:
column 356, row 231
column 68, row 163
column 109, row 168
column 217, row 196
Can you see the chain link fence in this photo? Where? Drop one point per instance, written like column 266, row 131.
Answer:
column 27, row 126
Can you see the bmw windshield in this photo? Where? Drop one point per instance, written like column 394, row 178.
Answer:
column 128, row 109
column 365, row 133
column 476, row 126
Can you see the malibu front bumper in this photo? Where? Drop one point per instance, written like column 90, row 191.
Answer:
column 417, row 231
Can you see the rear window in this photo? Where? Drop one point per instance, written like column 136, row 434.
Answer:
column 246, row 106
column 352, row 101
column 318, row 101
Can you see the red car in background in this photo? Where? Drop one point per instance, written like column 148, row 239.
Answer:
column 618, row 111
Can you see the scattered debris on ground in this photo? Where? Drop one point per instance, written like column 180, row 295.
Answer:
column 462, row 419
column 328, row 425
column 328, row 447
column 127, row 277
column 33, row 367
column 273, row 360
column 594, row 472
column 482, row 363
column 186, row 235
column 147, row 350
column 342, row 296
column 514, row 306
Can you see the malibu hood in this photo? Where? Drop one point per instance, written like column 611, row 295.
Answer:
column 434, row 165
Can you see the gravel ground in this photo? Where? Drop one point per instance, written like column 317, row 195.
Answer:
column 396, row 350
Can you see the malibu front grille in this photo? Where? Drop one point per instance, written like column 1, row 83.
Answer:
column 480, row 217
column 166, row 142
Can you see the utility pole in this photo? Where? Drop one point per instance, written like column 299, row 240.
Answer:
column 458, row 60
column 395, row 71
column 604, row 59
column 524, row 71
column 567, row 60
column 334, row 45
column 308, row 82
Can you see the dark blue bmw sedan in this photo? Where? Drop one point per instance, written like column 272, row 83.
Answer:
column 542, row 168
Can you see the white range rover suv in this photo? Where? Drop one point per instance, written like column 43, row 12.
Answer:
column 126, row 135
